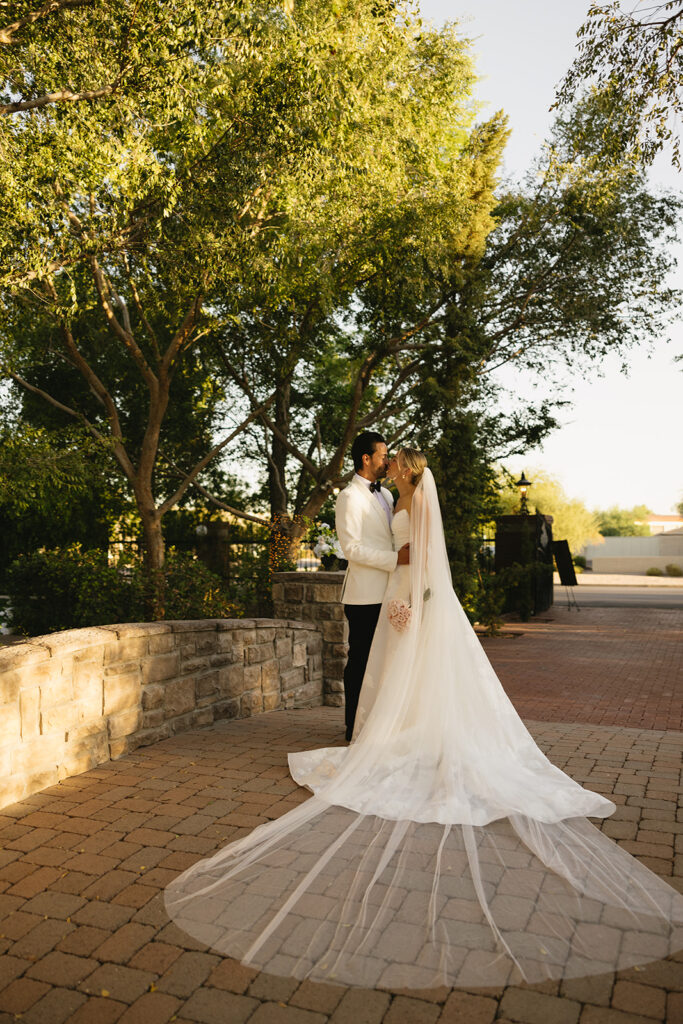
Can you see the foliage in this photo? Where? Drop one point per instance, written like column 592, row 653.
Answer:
column 38, row 467
column 345, row 348
column 578, row 266
column 519, row 583
column 249, row 581
column 624, row 522
column 459, row 446
column 226, row 158
column 673, row 570
column 52, row 491
column 193, row 592
column 269, row 228
column 579, row 562
column 572, row 521
column 637, row 56
column 654, row 571
column 489, row 603
column 574, row 267
column 70, row 588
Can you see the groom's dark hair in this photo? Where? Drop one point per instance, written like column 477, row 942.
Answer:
column 364, row 445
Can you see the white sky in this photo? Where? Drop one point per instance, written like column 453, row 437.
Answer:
column 621, row 442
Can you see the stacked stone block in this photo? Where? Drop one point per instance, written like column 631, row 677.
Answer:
column 316, row 597
column 73, row 700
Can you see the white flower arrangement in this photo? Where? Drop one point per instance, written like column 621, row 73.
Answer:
column 326, row 542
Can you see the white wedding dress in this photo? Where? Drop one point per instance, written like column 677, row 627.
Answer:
column 441, row 846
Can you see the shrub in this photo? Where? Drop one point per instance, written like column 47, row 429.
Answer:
column 654, row 571
column 193, row 591
column 489, row 602
column 579, row 561
column 69, row 588
column 673, row 570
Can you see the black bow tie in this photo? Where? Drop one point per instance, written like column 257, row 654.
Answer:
column 376, row 486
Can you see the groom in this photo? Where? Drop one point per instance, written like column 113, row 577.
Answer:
column 363, row 513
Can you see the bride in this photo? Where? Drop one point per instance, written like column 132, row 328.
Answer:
column 441, row 846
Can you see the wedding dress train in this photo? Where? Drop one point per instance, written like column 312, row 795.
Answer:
column 441, row 846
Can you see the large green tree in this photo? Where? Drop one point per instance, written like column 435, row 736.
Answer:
column 164, row 166
column 346, row 352
column 574, row 267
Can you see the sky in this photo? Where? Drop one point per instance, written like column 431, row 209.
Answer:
column 620, row 443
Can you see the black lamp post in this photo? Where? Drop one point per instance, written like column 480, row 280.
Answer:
column 524, row 486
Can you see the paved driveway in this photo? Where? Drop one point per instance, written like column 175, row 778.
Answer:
column 618, row 596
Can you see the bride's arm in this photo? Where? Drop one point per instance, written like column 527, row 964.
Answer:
column 349, row 522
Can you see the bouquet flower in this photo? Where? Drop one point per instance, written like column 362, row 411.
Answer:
column 326, row 542
column 399, row 613
column 326, row 547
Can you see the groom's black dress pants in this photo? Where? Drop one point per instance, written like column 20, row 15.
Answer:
column 362, row 620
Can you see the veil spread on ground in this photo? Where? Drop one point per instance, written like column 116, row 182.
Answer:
column 441, row 846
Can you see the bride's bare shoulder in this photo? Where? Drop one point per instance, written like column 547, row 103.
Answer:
column 404, row 502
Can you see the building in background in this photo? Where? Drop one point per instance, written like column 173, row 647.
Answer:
column 661, row 524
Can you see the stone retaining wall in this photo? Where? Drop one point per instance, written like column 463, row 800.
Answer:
column 315, row 597
column 71, row 700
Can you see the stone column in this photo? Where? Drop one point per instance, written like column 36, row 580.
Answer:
column 315, row 597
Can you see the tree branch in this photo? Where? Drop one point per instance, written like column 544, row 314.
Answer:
column 181, row 336
column 53, row 7
column 141, row 313
column 203, row 463
column 375, row 413
column 243, row 383
column 217, row 501
column 125, row 336
column 61, row 96
column 55, row 403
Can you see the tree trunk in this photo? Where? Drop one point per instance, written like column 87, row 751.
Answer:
column 285, row 535
column 154, row 551
column 277, row 462
column 285, row 541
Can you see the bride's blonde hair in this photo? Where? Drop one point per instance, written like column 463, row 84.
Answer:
column 415, row 461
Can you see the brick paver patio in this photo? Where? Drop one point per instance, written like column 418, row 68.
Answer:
column 606, row 666
column 84, row 936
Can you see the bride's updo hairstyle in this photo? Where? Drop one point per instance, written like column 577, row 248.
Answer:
column 415, row 461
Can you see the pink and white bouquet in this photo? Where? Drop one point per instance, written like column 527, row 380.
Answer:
column 399, row 613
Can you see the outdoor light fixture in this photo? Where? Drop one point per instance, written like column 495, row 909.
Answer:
column 201, row 530
column 524, row 486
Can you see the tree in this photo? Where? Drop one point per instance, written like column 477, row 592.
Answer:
column 345, row 350
column 163, row 165
column 578, row 266
column 636, row 57
column 575, row 266
column 624, row 522
column 572, row 521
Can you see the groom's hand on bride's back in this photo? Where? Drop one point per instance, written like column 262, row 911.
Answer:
column 404, row 555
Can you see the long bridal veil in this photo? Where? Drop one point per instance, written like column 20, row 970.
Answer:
column 441, row 846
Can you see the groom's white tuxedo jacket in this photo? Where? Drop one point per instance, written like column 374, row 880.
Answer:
column 366, row 540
